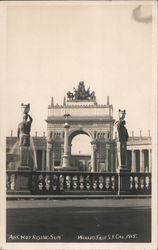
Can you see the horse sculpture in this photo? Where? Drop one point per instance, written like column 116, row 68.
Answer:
column 70, row 95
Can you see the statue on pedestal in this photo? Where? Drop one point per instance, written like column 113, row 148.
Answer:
column 123, row 138
column 23, row 134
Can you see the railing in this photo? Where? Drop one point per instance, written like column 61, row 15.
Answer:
column 48, row 183
column 136, row 183
column 58, row 182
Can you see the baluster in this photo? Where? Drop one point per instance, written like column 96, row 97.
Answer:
column 94, row 183
column 131, row 182
column 61, row 182
column 54, row 182
column 136, row 182
column 142, row 182
column 113, row 182
column 47, row 182
column 147, row 181
column 40, row 182
column 107, row 182
column 12, row 182
column 81, row 182
column 101, row 182
column 74, row 182
column 68, row 181
column 88, row 182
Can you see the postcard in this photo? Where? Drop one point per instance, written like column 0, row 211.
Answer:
column 78, row 125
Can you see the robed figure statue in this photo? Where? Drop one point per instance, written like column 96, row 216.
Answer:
column 123, row 138
column 23, row 135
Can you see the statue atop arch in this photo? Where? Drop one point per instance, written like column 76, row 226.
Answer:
column 81, row 93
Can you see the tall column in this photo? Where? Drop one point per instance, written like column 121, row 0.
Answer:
column 48, row 159
column 133, row 161
column 141, row 160
column 118, row 156
column 98, row 162
column 116, row 161
column 66, row 147
column 70, row 146
column 111, row 159
column 107, row 159
column 52, row 158
column 62, row 153
column 150, row 160
column 43, row 160
column 93, row 149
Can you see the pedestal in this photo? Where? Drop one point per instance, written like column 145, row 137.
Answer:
column 65, row 161
column 24, row 157
column 23, row 181
column 122, row 156
column 124, row 182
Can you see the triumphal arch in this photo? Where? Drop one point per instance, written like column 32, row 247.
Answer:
column 80, row 114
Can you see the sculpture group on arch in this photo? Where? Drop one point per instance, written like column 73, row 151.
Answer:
column 81, row 93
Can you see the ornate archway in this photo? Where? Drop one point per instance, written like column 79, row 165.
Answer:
column 85, row 116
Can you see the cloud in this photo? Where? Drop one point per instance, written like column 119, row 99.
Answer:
column 139, row 16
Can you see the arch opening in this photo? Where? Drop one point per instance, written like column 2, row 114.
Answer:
column 81, row 151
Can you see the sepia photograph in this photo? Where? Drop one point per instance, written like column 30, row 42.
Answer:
column 78, row 125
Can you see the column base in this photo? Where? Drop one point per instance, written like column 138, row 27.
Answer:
column 23, row 181
column 124, row 169
column 24, row 168
column 66, row 161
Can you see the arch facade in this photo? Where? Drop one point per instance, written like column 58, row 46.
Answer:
column 84, row 116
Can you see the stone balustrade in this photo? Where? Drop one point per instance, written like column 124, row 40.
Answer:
column 41, row 182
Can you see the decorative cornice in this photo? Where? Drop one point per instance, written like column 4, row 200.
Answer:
column 80, row 106
column 60, row 119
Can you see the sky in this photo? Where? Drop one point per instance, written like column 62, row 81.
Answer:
column 51, row 48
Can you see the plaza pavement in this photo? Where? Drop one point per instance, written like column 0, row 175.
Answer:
column 110, row 202
column 79, row 220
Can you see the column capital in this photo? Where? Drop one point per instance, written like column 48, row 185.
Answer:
column 93, row 142
column 94, row 145
column 49, row 144
column 66, row 125
column 50, row 141
column 107, row 146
